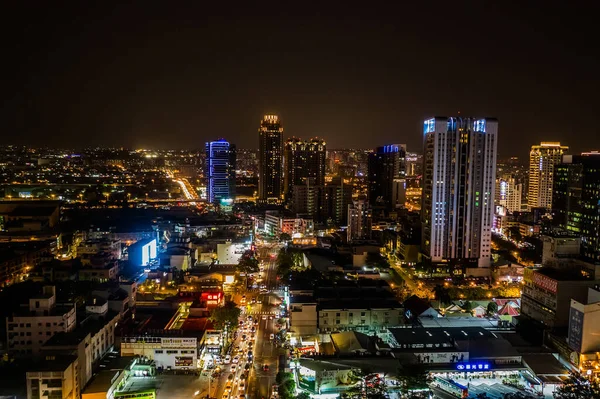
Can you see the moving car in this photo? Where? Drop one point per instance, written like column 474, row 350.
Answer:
column 227, row 359
column 235, row 359
column 272, row 336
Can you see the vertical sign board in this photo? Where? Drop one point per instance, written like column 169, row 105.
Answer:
column 575, row 329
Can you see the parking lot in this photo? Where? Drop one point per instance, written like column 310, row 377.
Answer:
column 180, row 386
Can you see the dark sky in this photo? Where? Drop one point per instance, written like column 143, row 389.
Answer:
column 158, row 75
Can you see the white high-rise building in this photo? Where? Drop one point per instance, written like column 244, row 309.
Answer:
column 510, row 193
column 542, row 159
column 459, row 179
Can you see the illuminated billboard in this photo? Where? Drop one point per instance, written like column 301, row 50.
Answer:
column 148, row 252
column 143, row 252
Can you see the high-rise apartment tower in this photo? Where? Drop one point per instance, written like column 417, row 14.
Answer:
column 459, row 178
column 542, row 159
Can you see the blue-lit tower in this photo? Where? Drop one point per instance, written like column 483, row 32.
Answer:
column 220, row 170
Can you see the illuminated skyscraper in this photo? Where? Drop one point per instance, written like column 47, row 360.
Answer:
column 459, row 178
column 542, row 159
column 386, row 177
column 304, row 163
column 270, row 160
column 576, row 200
column 220, row 170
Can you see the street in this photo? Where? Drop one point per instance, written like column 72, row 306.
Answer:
column 261, row 380
column 254, row 356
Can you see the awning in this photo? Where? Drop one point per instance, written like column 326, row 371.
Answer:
column 552, row 379
column 529, row 378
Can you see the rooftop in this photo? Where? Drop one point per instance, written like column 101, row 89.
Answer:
column 302, row 299
column 545, row 364
column 318, row 365
column 52, row 363
column 420, row 335
column 89, row 326
column 562, row 274
column 34, row 211
column 361, row 304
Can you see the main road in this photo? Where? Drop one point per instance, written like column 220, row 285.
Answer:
column 266, row 362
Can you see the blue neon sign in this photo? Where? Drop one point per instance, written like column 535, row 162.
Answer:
column 473, row 366
column 390, row 148
column 480, row 125
column 429, row 126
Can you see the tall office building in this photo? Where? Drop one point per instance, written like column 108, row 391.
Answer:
column 459, row 178
column 304, row 163
column 577, row 199
column 386, row 170
column 414, row 164
column 325, row 203
column 220, row 170
column 542, row 159
column 270, row 159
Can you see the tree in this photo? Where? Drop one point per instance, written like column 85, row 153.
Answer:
column 413, row 376
column 492, row 308
column 225, row 316
column 577, row 386
column 442, row 294
column 248, row 263
column 285, row 237
column 376, row 260
column 467, row 307
column 515, row 233
column 287, row 386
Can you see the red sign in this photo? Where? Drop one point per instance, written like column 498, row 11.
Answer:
column 306, row 349
column 545, row 282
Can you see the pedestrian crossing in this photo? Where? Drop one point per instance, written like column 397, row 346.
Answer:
column 259, row 313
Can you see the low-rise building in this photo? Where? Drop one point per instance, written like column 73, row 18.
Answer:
column 375, row 315
column 169, row 353
column 558, row 246
column 27, row 331
column 583, row 339
column 54, row 377
column 91, row 340
column 123, row 378
column 548, row 292
column 303, row 315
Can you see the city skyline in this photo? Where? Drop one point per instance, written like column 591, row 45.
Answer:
column 174, row 76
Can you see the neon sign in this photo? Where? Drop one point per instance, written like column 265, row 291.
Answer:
column 473, row 366
column 429, row 126
column 480, row 125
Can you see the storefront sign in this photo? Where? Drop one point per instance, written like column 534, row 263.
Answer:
column 545, row 282
column 473, row 366
column 178, row 342
column 184, row 361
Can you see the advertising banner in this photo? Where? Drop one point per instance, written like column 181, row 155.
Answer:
column 575, row 329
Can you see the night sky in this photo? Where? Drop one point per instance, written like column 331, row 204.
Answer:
column 141, row 75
